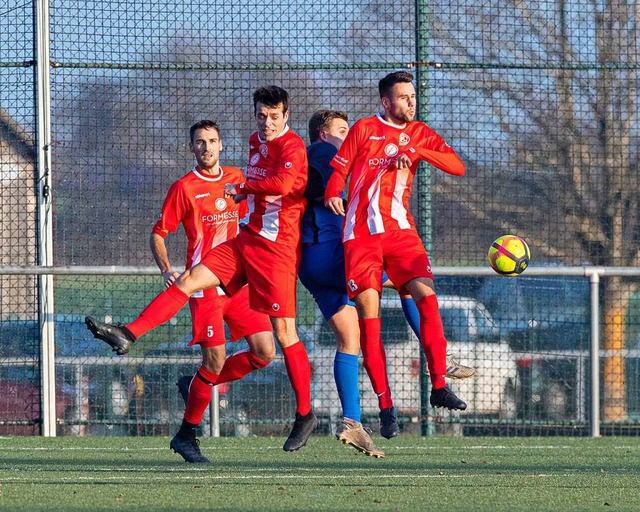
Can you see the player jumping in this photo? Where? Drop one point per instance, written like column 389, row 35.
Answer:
column 265, row 253
column 381, row 155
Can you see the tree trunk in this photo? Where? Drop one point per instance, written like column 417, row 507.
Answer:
column 614, row 400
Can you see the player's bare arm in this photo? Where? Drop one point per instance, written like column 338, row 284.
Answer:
column 161, row 256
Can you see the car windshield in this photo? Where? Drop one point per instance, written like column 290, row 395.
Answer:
column 516, row 302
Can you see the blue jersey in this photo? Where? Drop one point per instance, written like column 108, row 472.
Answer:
column 318, row 223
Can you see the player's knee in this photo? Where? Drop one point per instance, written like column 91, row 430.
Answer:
column 213, row 358
column 285, row 331
column 265, row 353
column 213, row 366
column 262, row 346
column 348, row 346
column 185, row 282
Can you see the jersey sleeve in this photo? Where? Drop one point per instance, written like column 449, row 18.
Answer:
column 447, row 162
column 172, row 211
column 319, row 156
column 291, row 163
column 435, row 151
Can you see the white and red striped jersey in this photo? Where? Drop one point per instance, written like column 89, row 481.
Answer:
column 197, row 201
column 379, row 192
column 276, row 179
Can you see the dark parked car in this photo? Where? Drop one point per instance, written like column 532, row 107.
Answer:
column 260, row 403
column 20, row 372
column 546, row 322
column 92, row 388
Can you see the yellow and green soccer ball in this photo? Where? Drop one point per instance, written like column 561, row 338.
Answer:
column 509, row 255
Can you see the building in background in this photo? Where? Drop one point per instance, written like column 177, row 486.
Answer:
column 18, row 217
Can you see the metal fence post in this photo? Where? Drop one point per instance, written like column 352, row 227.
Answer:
column 214, row 413
column 424, row 226
column 45, row 222
column 594, row 279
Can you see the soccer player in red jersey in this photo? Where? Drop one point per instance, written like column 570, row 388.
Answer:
column 381, row 155
column 198, row 202
column 264, row 254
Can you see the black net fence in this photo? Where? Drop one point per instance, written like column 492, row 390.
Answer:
column 539, row 99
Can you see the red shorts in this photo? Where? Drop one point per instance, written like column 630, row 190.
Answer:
column 400, row 253
column 271, row 270
column 210, row 311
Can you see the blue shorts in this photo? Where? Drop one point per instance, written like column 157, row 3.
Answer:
column 322, row 273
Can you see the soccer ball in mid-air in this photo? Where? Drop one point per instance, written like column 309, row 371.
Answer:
column 509, row 255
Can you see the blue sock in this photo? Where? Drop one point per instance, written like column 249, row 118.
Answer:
column 345, row 373
column 412, row 314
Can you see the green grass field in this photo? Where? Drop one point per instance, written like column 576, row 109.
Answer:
column 444, row 474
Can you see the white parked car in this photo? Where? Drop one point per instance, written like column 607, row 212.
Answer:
column 473, row 339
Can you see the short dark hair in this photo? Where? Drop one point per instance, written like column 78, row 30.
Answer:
column 320, row 121
column 205, row 123
column 271, row 96
column 397, row 77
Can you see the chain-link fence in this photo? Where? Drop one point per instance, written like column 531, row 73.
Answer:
column 540, row 100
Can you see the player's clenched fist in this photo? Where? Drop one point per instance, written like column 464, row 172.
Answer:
column 230, row 189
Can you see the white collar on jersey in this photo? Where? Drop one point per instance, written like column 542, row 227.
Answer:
column 398, row 126
column 208, row 178
column 286, row 129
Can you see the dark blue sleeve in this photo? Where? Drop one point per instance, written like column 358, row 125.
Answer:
column 320, row 155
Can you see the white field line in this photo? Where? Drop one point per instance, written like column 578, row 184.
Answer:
column 195, row 475
column 279, row 448
column 171, row 478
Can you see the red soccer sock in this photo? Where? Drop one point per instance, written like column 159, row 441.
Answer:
column 374, row 360
column 432, row 340
column 297, row 362
column 238, row 365
column 164, row 307
column 199, row 395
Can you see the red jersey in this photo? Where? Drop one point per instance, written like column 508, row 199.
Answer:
column 198, row 202
column 379, row 192
column 276, row 179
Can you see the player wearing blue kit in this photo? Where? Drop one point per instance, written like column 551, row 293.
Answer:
column 322, row 273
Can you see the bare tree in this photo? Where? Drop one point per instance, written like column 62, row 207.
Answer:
column 570, row 123
column 122, row 137
column 543, row 106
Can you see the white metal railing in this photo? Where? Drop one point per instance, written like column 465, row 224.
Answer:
column 594, row 274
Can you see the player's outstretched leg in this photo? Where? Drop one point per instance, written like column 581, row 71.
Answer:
column 117, row 337
column 389, row 423
column 353, row 433
column 302, row 429
column 444, row 397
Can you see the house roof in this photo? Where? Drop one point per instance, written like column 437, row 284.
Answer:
column 12, row 133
